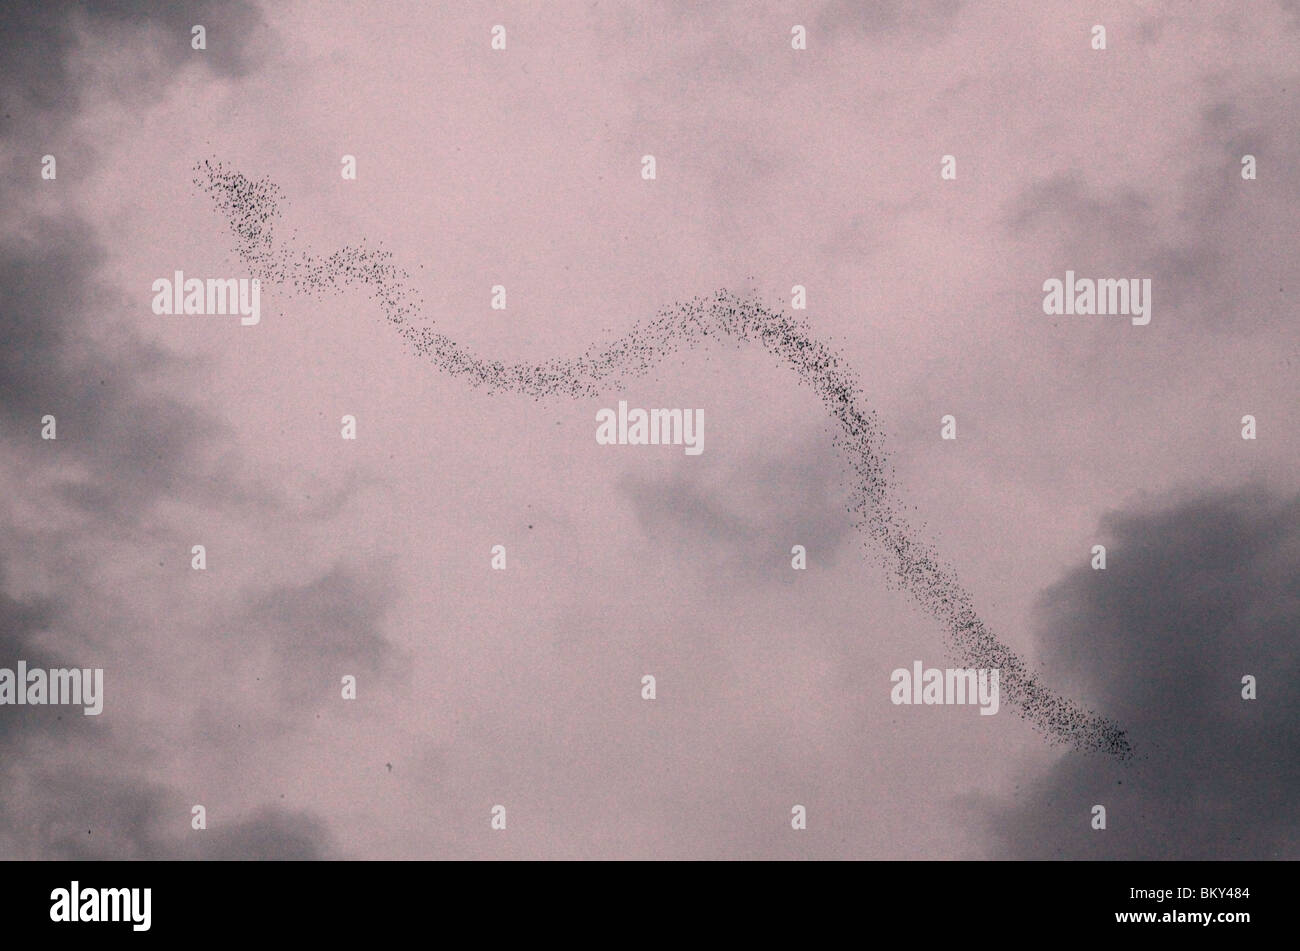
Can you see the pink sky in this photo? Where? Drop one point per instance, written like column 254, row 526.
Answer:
column 521, row 167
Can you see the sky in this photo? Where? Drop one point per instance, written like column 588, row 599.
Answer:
column 522, row 167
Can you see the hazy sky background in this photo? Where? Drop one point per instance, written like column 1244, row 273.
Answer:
column 522, row 167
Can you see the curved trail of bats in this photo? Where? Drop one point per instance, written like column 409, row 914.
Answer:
column 253, row 210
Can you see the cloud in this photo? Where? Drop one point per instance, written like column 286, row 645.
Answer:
column 82, row 814
column 38, row 39
column 71, row 786
column 21, row 622
column 747, row 524
column 62, row 352
column 1218, row 248
column 917, row 17
column 1194, row 597
column 314, row 633
column 271, row 833
column 70, row 812
column 135, row 443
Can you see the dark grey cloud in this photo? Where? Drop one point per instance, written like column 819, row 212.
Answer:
column 84, row 814
column 137, row 442
column 1193, row 598
column 41, row 313
column 68, row 783
column 38, row 37
column 271, row 833
column 70, row 786
column 319, row 631
column 22, row 623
